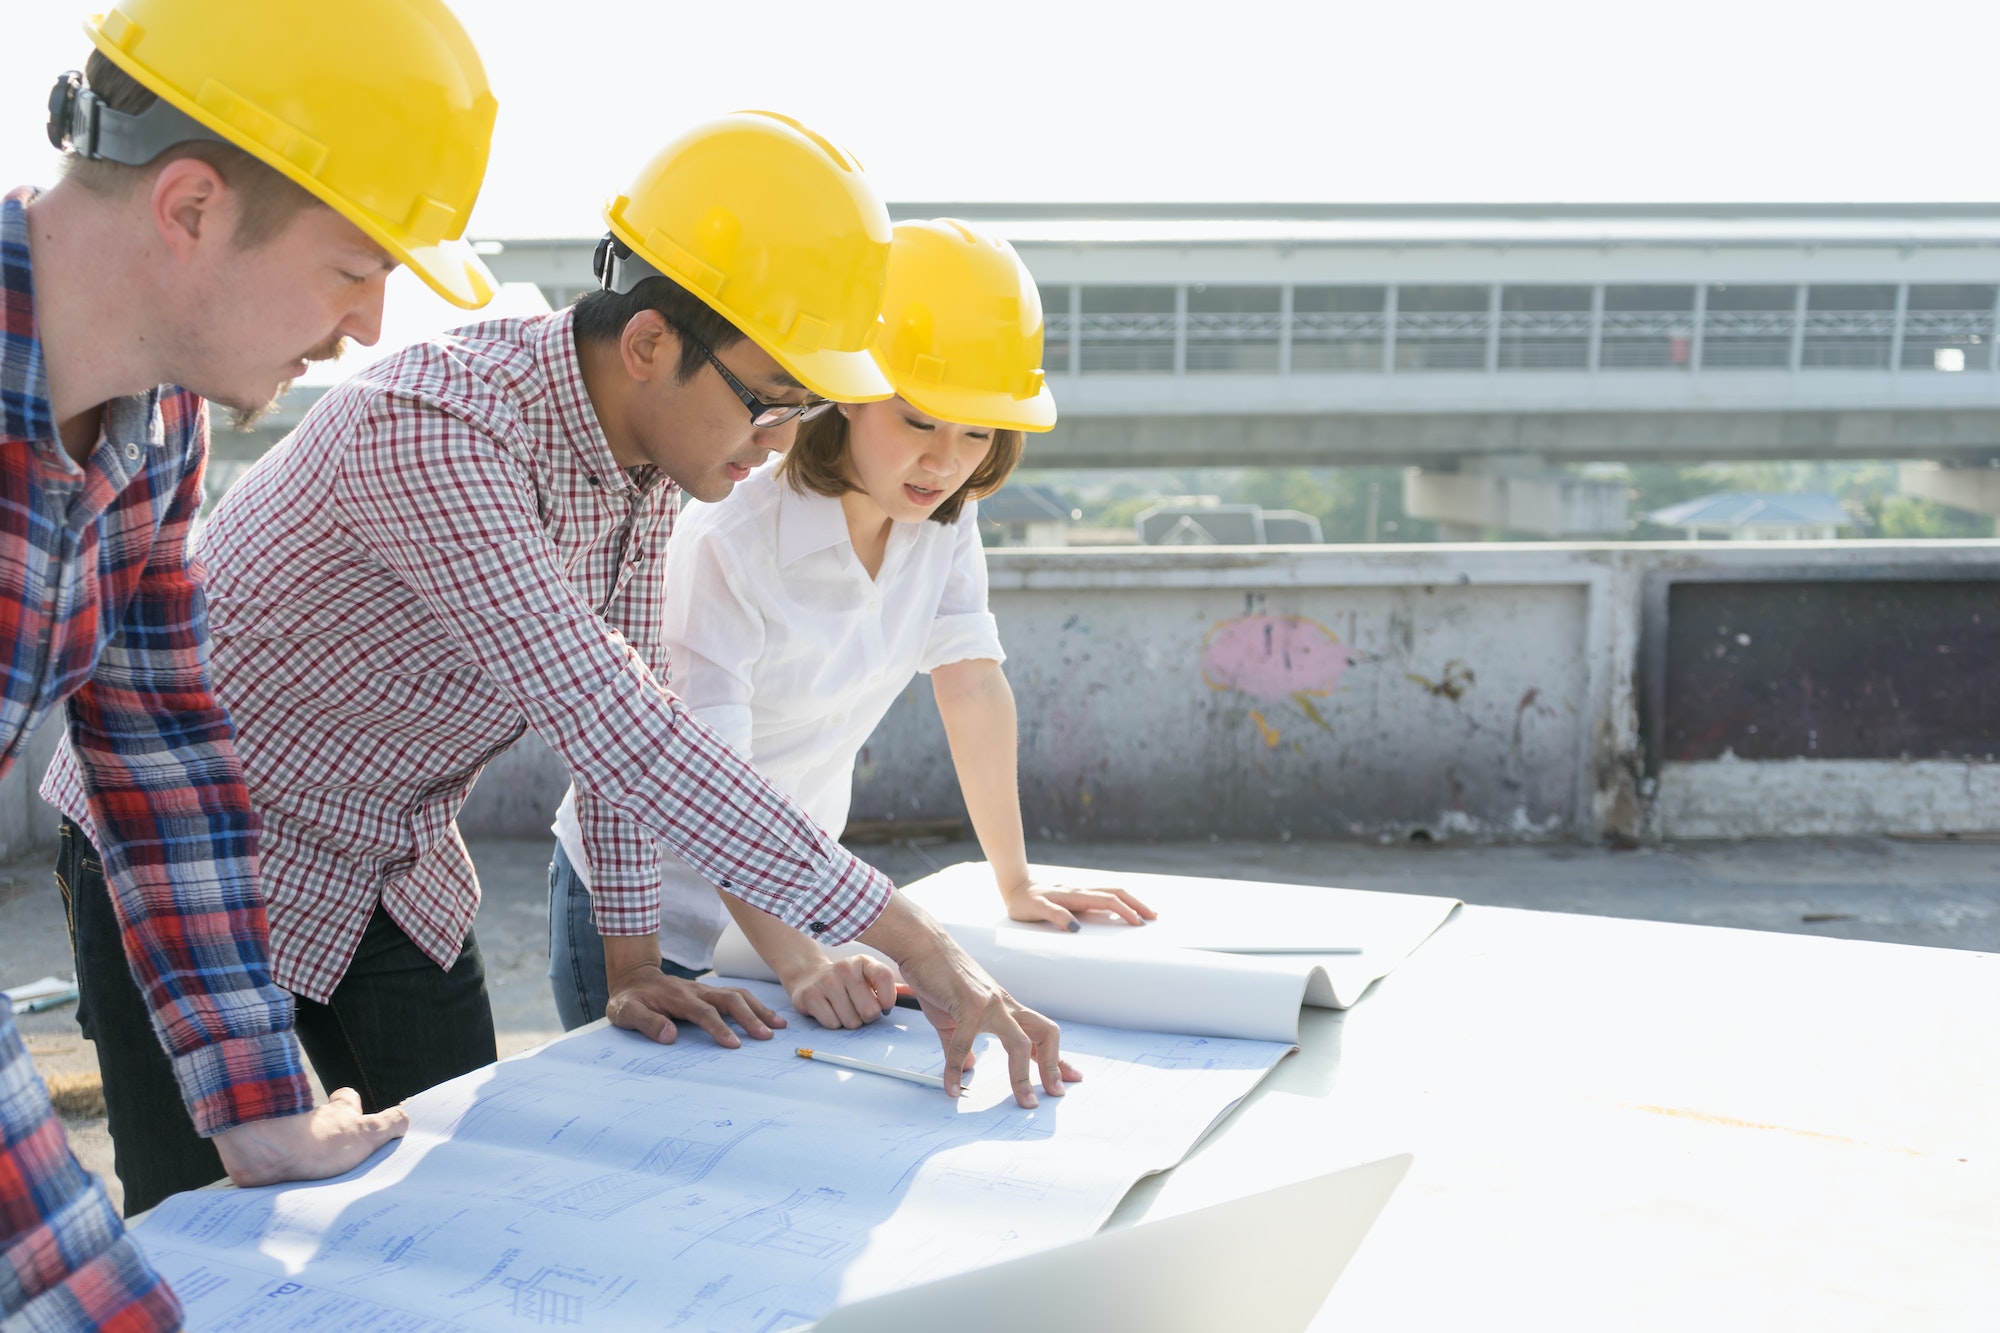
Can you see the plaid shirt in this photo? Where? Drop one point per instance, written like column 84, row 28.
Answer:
column 66, row 1264
column 99, row 607
column 443, row 555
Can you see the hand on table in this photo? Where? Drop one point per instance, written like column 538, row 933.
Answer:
column 1057, row 904
column 647, row 1001
column 842, row 992
column 962, row 1001
column 329, row 1140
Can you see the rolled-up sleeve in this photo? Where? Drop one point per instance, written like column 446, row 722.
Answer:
column 447, row 509
column 964, row 629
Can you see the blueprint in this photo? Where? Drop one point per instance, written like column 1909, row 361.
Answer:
column 606, row 1182
column 1226, row 958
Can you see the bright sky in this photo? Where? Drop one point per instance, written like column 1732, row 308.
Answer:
column 1311, row 100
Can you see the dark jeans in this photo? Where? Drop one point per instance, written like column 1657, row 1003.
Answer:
column 396, row 1024
column 576, row 950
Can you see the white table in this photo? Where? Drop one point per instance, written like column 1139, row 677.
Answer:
column 1631, row 1125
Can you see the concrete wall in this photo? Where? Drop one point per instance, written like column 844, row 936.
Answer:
column 1286, row 692
column 1390, row 692
column 1377, row 692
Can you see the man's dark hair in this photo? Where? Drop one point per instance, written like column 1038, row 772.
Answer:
column 601, row 316
column 268, row 199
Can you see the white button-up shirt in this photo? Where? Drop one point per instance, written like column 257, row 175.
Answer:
column 780, row 642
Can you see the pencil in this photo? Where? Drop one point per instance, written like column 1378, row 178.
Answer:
column 870, row 1067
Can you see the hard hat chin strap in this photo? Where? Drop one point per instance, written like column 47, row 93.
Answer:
column 618, row 268
column 81, row 123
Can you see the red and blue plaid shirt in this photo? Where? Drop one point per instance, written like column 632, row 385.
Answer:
column 100, row 607
column 65, row 1260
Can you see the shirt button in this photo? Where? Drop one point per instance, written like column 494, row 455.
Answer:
column 818, row 928
column 131, row 450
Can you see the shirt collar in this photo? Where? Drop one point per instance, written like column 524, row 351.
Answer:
column 555, row 351
column 24, row 384
column 807, row 523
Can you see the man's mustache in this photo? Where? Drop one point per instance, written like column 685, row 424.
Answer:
column 246, row 418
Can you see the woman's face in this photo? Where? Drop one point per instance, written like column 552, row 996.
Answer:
column 907, row 461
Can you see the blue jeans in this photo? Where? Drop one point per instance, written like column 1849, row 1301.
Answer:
column 576, row 950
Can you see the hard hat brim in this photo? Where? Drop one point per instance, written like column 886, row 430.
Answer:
column 967, row 407
column 449, row 268
column 845, row 377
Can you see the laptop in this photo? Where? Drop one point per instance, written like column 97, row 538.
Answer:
column 1261, row 1264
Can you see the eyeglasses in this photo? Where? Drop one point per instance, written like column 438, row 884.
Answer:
column 763, row 415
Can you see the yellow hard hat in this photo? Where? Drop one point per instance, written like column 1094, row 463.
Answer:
column 962, row 329
column 777, row 230
column 380, row 108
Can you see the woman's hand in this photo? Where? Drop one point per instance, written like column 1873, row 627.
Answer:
column 1058, row 904
column 842, row 992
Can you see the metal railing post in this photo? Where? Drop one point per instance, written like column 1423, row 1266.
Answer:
column 1896, row 334
column 1700, row 327
column 1493, row 328
column 1799, row 328
column 1596, row 353
column 1180, row 329
column 1389, row 305
column 1285, row 329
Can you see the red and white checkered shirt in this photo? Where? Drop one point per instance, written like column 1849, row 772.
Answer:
column 443, row 554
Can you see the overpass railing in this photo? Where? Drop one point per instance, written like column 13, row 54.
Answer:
column 1198, row 329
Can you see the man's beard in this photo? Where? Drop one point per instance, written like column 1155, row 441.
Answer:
column 246, row 418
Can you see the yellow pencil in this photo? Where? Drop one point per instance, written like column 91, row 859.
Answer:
column 870, row 1067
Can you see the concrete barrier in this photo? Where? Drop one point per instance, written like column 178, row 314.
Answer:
column 1498, row 692
column 1511, row 692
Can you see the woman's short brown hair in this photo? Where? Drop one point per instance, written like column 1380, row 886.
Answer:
column 817, row 464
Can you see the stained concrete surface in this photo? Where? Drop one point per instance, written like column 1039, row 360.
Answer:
column 1906, row 892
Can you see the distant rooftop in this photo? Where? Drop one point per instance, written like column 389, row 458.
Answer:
column 1020, row 503
column 1930, row 225
column 1742, row 224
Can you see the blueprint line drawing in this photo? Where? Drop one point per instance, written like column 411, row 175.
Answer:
column 606, row 1182
column 673, row 1163
column 560, row 1297
column 801, row 1224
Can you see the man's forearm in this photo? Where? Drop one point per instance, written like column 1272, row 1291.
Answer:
column 905, row 931
column 622, row 953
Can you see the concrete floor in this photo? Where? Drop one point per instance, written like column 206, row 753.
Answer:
column 1925, row 893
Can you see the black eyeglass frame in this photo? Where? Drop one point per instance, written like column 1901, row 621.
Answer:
column 763, row 415
column 619, row 269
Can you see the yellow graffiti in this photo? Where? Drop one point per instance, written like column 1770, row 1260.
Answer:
column 1271, row 736
column 1304, row 699
column 1452, row 685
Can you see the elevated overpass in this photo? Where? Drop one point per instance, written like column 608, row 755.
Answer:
column 1479, row 345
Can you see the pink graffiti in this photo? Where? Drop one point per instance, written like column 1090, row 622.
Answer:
column 1274, row 657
